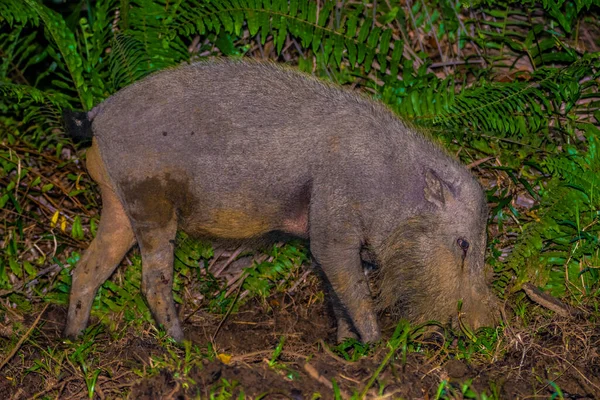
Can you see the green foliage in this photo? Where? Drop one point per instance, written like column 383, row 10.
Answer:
column 14, row 13
column 224, row 390
column 145, row 43
column 151, row 36
column 25, row 180
column 399, row 342
column 500, row 109
column 180, row 360
column 560, row 247
column 447, row 390
column 263, row 277
column 353, row 350
column 69, row 59
column 189, row 258
column 331, row 32
column 480, row 343
column 277, row 352
column 123, row 297
column 499, row 79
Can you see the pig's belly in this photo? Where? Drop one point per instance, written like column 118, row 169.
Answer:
column 238, row 222
column 244, row 204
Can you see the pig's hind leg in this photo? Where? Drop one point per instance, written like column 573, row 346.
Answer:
column 113, row 239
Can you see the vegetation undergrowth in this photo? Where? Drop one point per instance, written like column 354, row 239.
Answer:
column 509, row 87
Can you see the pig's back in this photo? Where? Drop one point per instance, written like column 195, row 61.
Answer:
column 227, row 118
column 235, row 123
column 251, row 135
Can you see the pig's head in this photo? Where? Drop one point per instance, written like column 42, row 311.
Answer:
column 437, row 258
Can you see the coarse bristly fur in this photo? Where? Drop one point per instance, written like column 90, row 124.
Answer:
column 235, row 150
column 420, row 279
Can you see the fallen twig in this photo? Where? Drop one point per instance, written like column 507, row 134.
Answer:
column 330, row 353
column 231, row 258
column 545, row 300
column 299, row 281
column 478, row 162
column 255, row 354
column 313, row 373
column 226, row 314
column 23, row 338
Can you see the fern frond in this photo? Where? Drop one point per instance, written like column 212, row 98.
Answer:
column 65, row 42
column 502, row 109
column 40, row 112
column 14, row 12
column 94, row 41
column 353, row 36
column 144, row 43
column 18, row 49
column 129, row 61
column 26, row 92
column 556, row 8
column 563, row 238
column 149, row 24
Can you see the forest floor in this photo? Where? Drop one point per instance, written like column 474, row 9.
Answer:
column 280, row 345
column 283, row 348
column 270, row 342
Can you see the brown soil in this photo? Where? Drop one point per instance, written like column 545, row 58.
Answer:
column 527, row 360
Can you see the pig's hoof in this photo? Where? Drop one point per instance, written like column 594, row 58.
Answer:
column 371, row 336
column 71, row 333
column 344, row 332
column 176, row 334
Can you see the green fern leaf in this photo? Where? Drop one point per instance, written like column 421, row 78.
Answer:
column 65, row 41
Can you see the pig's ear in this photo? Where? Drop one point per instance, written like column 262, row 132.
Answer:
column 436, row 190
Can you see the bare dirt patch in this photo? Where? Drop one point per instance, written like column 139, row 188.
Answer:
column 549, row 353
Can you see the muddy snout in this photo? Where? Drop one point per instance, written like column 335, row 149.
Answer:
column 481, row 312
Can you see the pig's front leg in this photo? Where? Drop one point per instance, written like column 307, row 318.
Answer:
column 342, row 266
column 157, row 246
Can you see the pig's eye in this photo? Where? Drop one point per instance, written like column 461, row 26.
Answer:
column 463, row 244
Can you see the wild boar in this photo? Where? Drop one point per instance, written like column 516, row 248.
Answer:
column 235, row 149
